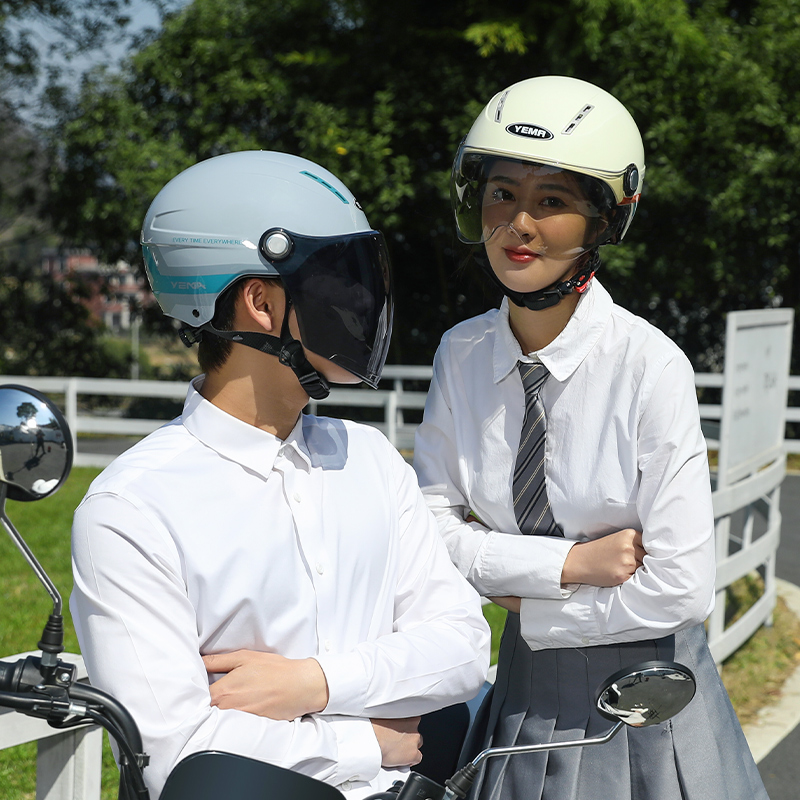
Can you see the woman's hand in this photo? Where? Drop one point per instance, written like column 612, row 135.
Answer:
column 268, row 684
column 608, row 561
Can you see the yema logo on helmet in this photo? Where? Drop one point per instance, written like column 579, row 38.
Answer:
column 528, row 131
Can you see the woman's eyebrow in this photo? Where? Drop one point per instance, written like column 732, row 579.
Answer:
column 548, row 187
column 504, row 179
column 559, row 187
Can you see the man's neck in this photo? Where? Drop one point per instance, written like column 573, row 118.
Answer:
column 257, row 389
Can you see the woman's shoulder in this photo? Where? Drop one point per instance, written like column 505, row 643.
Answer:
column 641, row 336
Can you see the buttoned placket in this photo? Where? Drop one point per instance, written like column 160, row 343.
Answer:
column 304, row 496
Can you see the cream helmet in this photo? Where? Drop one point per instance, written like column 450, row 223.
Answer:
column 553, row 124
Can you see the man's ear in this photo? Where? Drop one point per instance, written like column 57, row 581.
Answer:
column 261, row 305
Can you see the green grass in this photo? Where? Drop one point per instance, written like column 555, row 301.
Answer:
column 765, row 661
column 25, row 605
column 755, row 673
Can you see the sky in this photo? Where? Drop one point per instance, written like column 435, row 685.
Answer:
column 143, row 15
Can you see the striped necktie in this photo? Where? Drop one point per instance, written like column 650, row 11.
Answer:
column 531, row 505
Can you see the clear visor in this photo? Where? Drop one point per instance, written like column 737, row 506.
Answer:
column 566, row 212
column 341, row 289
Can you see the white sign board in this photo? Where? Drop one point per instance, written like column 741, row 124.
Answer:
column 754, row 392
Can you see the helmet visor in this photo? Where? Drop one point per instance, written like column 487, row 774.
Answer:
column 490, row 193
column 341, row 288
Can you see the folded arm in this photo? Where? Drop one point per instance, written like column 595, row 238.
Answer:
column 138, row 634
column 674, row 587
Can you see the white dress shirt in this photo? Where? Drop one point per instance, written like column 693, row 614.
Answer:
column 623, row 450
column 211, row 535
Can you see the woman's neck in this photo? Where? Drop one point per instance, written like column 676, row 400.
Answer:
column 534, row 330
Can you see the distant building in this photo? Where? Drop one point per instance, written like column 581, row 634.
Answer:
column 116, row 290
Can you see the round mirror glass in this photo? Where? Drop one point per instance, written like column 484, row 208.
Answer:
column 646, row 694
column 35, row 444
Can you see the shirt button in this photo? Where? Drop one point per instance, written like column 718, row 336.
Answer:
column 297, row 497
column 320, row 567
column 585, row 639
column 346, row 786
column 328, row 645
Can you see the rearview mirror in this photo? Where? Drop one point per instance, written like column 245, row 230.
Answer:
column 646, row 694
column 35, row 444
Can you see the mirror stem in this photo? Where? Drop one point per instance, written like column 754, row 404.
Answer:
column 533, row 748
column 459, row 785
column 29, row 556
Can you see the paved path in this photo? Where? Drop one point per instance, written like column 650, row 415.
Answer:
column 780, row 768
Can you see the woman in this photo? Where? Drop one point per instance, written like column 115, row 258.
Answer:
column 566, row 419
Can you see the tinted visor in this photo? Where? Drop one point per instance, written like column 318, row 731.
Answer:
column 341, row 288
column 489, row 192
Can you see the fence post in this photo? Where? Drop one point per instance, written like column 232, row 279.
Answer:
column 716, row 620
column 69, row 766
column 71, row 409
column 390, row 415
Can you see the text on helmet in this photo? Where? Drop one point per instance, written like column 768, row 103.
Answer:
column 529, row 131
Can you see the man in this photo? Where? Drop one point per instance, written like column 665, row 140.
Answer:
column 288, row 560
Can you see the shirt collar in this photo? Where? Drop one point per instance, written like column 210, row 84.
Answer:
column 234, row 439
column 566, row 352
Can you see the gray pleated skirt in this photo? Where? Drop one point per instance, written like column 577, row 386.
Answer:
column 548, row 695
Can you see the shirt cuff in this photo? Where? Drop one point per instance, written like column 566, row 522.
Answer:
column 525, row 566
column 359, row 754
column 545, row 625
column 347, row 683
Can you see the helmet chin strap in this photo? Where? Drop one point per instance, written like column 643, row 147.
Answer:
column 553, row 294
column 288, row 350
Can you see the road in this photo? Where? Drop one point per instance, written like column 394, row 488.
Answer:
column 780, row 769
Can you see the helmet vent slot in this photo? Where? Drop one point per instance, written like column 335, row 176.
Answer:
column 498, row 114
column 577, row 119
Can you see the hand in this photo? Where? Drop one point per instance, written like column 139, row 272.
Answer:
column 508, row 603
column 608, row 561
column 399, row 740
column 268, row 684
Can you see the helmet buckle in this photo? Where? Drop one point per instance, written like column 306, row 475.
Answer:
column 190, row 336
column 291, row 354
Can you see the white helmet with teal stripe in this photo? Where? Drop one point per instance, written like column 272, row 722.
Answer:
column 202, row 230
column 261, row 213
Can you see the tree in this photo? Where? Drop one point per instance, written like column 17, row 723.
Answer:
column 44, row 328
column 381, row 94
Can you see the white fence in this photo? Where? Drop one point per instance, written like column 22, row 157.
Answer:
column 68, row 761
column 393, row 402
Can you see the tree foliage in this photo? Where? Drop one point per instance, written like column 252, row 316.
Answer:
column 44, row 327
column 381, row 93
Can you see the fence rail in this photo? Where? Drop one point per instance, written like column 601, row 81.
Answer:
column 394, row 402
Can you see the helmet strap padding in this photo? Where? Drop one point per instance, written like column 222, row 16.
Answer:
column 553, row 294
column 288, row 350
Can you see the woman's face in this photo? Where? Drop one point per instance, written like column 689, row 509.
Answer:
column 536, row 222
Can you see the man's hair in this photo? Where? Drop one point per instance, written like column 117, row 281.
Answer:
column 213, row 351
